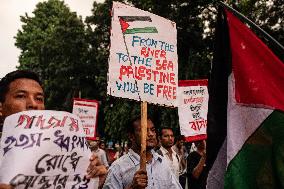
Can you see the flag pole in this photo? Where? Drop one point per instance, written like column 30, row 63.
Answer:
column 252, row 24
column 143, row 135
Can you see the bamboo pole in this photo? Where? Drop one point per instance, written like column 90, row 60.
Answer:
column 143, row 135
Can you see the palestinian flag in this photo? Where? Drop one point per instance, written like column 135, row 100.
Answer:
column 126, row 29
column 245, row 145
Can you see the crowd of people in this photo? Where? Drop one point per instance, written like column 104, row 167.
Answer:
column 170, row 163
column 185, row 160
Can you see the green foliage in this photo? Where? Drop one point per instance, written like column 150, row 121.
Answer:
column 53, row 43
column 269, row 16
column 72, row 56
column 193, row 51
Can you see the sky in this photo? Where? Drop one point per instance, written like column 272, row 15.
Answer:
column 10, row 12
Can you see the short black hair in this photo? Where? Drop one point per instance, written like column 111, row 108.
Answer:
column 180, row 137
column 162, row 128
column 12, row 76
column 130, row 124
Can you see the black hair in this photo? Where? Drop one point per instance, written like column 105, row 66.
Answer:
column 130, row 124
column 162, row 128
column 12, row 76
column 179, row 137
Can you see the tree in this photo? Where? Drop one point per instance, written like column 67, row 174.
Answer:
column 195, row 24
column 53, row 43
column 72, row 56
column 193, row 52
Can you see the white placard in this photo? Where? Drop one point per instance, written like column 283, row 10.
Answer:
column 143, row 62
column 44, row 149
column 87, row 111
column 192, row 110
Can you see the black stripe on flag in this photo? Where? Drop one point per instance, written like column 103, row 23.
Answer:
column 218, row 90
column 136, row 18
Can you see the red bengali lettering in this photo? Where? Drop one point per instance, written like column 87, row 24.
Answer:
column 197, row 125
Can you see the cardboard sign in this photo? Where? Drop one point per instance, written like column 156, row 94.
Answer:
column 44, row 149
column 192, row 110
column 143, row 62
column 87, row 111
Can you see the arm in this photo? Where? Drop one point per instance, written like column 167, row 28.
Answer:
column 182, row 163
column 104, row 159
column 96, row 169
column 199, row 167
column 5, row 186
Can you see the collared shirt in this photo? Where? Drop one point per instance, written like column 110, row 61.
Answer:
column 102, row 156
column 182, row 154
column 173, row 161
column 122, row 171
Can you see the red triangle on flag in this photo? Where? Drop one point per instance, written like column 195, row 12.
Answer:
column 258, row 72
column 124, row 25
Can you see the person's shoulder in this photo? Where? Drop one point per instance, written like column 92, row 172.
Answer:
column 121, row 160
column 162, row 151
column 157, row 154
column 101, row 151
column 122, row 164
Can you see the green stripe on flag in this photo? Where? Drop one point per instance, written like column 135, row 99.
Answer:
column 141, row 30
column 260, row 162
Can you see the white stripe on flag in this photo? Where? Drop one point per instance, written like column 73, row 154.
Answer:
column 242, row 121
column 215, row 179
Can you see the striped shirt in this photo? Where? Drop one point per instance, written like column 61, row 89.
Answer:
column 122, row 171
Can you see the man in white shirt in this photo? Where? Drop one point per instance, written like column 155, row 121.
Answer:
column 125, row 172
column 166, row 137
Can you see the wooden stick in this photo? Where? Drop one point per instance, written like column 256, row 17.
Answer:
column 143, row 135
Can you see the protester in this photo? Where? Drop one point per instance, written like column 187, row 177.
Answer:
column 166, row 137
column 100, row 153
column 21, row 90
column 102, row 145
column 181, row 151
column 196, row 167
column 125, row 173
column 118, row 151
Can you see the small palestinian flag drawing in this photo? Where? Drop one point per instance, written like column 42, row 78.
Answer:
column 124, row 23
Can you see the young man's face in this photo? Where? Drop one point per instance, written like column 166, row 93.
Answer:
column 151, row 140
column 23, row 94
column 167, row 138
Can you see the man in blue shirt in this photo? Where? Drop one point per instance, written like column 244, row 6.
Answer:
column 125, row 173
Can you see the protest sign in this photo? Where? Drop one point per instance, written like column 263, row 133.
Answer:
column 87, row 111
column 193, row 107
column 143, row 62
column 44, row 149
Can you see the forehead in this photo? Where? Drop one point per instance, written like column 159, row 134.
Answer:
column 24, row 84
column 167, row 131
column 137, row 125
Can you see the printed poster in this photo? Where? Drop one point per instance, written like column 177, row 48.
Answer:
column 143, row 62
column 87, row 111
column 192, row 110
column 44, row 149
